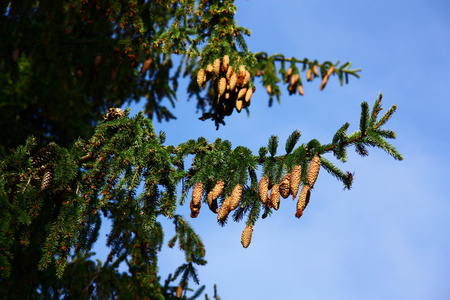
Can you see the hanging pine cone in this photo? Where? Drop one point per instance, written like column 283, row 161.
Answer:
column 214, row 194
column 114, row 113
column 236, row 196
column 303, row 200
column 313, row 171
column 274, row 200
column 309, row 75
column 195, row 210
column 47, row 179
column 43, row 156
column 233, row 81
column 246, row 236
column 248, row 96
column 146, row 65
column 315, row 70
column 201, row 77
column 216, row 67
column 295, row 180
column 224, row 210
column 225, row 63
column 263, row 190
column 197, row 193
column 285, row 186
column 179, row 292
column 222, row 85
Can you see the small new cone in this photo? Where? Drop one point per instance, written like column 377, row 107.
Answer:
column 224, row 210
column 313, row 171
column 236, row 196
column 246, row 236
column 197, row 194
column 300, row 89
column 303, row 200
column 285, row 186
column 274, row 199
column 263, row 190
column 269, row 89
column 315, row 70
column 295, row 180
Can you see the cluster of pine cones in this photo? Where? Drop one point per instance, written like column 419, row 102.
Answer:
column 289, row 185
column 232, row 87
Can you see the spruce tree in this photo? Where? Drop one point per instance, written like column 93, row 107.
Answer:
column 71, row 157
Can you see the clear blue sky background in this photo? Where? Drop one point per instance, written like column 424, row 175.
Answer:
column 388, row 237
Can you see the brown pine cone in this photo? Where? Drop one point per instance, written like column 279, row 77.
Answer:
column 313, row 171
column 225, row 63
column 295, row 180
column 285, row 186
column 146, row 65
column 197, row 194
column 222, row 86
column 274, row 199
column 246, row 236
column 201, row 77
column 263, row 190
column 309, row 75
column 303, row 200
column 236, row 196
column 224, row 210
column 214, row 194
column 233, row 81
column 216, row 67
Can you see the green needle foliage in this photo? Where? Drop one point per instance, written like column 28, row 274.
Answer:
column 72, row 159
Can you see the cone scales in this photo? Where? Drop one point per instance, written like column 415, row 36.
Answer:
column 263, row 190
column 246, row 236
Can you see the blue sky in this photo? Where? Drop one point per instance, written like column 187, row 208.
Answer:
column 388, row 237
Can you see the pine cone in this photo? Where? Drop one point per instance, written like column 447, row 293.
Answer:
column 300, row 89
column 229, row 73
column 269, row 89
column 146, row 65
column 309, row 75
column 248, row 96
column 246, row 236
column 233, row 81
column 295, row 180
column 179, row 292
column 225, row 63
column 303, row 200
column 246, row 78
column 313, row 171
column 239, row 105
column 263, row 190
column 274, row 200
column 209, row 69
column 294, row 79
column 43, row 156
column 315, row 70
column 47, row 179
column 224, row 210
column 216, row 67
column 285, row 186
column 197, row 194
column 241, row 94
column 236, row 196
column 201, row 77
column 214, row 194
column 222, row 86
column 114, row 113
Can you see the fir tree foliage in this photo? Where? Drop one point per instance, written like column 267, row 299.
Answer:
column 67, row 61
